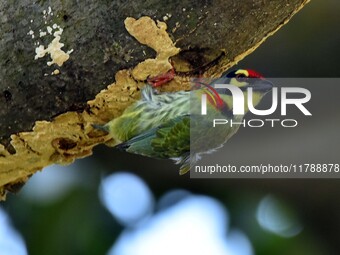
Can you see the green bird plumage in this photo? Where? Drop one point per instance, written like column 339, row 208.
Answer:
column 160, row 125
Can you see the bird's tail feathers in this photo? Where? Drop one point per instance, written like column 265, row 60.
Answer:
column 184, row 169
column 185, row 163
column 122, row 146
column 136, row 140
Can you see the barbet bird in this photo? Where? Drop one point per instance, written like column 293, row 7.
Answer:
column 170, row 126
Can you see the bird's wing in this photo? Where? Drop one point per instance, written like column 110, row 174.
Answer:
column 172, row 140
column 169, row 140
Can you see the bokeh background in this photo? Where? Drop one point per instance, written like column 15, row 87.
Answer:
column 121, row 204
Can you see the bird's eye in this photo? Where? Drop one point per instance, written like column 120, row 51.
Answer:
column 241, row 77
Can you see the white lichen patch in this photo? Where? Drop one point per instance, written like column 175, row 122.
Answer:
column 47, row 12
column 58, row 56
column 177, row 25
column 31, row 33
column 54, row 48
column 49, row 30
column 55, row 72
column 167, row 16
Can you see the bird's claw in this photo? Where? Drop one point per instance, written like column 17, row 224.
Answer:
column 162, row 78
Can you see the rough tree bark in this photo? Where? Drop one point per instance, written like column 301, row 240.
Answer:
column 45, row 110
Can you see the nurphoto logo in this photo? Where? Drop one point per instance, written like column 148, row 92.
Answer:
column 238, row 105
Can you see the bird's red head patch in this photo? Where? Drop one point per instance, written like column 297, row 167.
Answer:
column 254, row 74
column 244, row 73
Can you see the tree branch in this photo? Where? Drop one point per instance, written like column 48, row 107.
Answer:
column 209, row 36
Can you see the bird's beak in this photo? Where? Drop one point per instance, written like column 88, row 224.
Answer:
column 261, row 85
